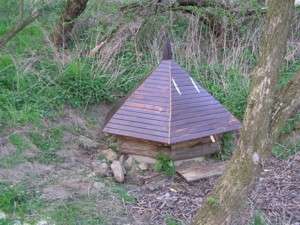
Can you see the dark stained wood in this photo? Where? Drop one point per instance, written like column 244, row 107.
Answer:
column 138, row 130
column 194, row 151
column 209, row 132
column 170, row 107
column 136, row 135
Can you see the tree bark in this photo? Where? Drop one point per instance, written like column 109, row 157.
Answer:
column 226, row 204
column 19, row 27
column 62, row 32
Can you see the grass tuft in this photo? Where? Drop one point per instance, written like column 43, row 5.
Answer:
column 164, row 164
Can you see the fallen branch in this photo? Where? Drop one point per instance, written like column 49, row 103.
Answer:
column 19, row 27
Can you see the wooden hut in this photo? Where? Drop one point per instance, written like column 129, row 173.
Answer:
column 170, row 113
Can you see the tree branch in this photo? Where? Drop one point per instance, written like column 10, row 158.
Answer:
column 287, row 103
column 19, row 27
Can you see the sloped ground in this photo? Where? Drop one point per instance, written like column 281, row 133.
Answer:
column 70, row 192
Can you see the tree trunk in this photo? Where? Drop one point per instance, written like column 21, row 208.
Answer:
column 62, row 32
column 226, row 204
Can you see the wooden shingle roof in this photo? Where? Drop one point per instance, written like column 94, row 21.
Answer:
column 170, row 107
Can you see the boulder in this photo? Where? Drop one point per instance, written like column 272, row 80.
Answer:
column 87, row 143
column 109, row 154
column 122, row 159
column 99, row 185
column 100, row 168
column 143, row 166
column 118, row 171
column 128, row 163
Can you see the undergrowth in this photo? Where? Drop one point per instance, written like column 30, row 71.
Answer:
column 164, row 164
column 18, row 203
column 76, row 212
column 48, row 142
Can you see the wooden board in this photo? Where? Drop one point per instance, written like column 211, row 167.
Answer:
column 201, row 170
column 193, row 151
column 140, row 147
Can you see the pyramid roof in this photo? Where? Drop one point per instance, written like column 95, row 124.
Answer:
column 170, row 107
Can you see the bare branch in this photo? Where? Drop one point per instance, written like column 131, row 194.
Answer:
column 288, row 101
column 19, row 27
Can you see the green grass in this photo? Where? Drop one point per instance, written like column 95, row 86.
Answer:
column 18, row 141
column 76, row 213
column 258, row 219
column 227, row 146
column 285, row 150
column 17, row 156
column 18, row 203
column 172, row 221
column 48, row 142
column 164, row 164
column 123, row 195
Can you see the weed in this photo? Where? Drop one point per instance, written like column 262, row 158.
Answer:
column 290, row 124
column 283, row 151
column 81, row 87
column 213, row 201
column 258, row 219
column 227, row 146
column 76, row 213
column 18, row 141
column 123, row 194
column 172, row 221
column 48, row 143
column 17, row 157
column 17, row 202
column 164, row 164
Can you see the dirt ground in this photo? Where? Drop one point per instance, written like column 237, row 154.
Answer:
column 146, row 198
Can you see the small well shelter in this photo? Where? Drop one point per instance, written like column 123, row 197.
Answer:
column 170, row 112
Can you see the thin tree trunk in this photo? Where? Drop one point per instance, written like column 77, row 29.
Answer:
column 19, row 27
column 21, row 10
column 227, row 202
column 62, row 32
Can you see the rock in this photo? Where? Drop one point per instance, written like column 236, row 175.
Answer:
column 144, row 159
column 100, row 168
column 118, row 171
column 122, row 159
column 128, row 163
column 143, row 166
column 87, row 143
column 99, row 185
column 109, row 154
column 2, row 215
